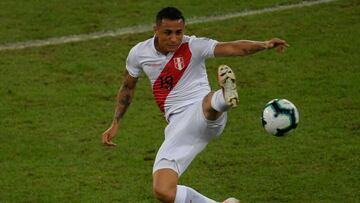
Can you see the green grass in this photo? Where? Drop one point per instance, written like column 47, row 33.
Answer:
column 57, row 100
column 24, row 20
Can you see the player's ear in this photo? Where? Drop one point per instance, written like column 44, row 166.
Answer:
column 155, row 28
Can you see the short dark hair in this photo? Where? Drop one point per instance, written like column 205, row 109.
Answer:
column 170, row 13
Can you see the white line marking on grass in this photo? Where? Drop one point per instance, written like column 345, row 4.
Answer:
column 146, row 28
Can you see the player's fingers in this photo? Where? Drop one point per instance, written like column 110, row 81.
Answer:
column 110, row 143
column 279, row 42
column 284, row 44
column 107, row 139
column 104, row 137
column 280, row 49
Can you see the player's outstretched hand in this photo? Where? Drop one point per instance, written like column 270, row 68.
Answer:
column 109, row 134
column 277, row 43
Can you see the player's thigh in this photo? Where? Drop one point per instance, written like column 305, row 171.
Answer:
column 186, row 136
column 208, row 129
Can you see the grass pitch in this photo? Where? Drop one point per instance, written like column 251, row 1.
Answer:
column 57, row 100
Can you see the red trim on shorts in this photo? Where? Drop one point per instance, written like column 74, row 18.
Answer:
column 171, row 74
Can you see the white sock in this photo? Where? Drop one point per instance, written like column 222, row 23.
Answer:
column 218, row 102
column 186, row 195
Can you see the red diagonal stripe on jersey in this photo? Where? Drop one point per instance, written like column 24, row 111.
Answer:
column 171, row 74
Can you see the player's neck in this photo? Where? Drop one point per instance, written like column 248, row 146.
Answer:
column 158, row 48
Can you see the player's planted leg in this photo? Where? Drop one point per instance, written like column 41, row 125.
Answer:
column 231, row 200
column 164, row 185
column 188, row 195
column 166, row 189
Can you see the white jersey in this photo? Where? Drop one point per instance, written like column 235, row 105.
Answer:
column 179, row 78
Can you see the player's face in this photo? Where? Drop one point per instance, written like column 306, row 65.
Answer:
column 169, row 35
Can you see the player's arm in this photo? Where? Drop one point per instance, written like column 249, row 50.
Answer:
column 124, row 97
column 246, row 47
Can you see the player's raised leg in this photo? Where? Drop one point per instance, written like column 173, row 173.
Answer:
column 221, row 100
column 226, row 80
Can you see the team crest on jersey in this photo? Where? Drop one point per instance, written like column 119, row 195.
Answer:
column 179, row 63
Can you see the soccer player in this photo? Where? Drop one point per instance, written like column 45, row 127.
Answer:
column 175, row 66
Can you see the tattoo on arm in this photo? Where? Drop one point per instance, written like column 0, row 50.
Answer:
column 124, row 97
column 126, row 101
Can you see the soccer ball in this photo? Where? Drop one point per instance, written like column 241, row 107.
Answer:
column 279, row 117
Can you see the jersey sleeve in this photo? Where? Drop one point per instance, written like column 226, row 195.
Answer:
column 132, row 63
column 203, row 47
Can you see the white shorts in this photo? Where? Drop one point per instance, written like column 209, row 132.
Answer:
column 186, row 135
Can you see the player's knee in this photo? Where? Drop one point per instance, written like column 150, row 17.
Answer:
column 164, row 193
column 209, row 112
